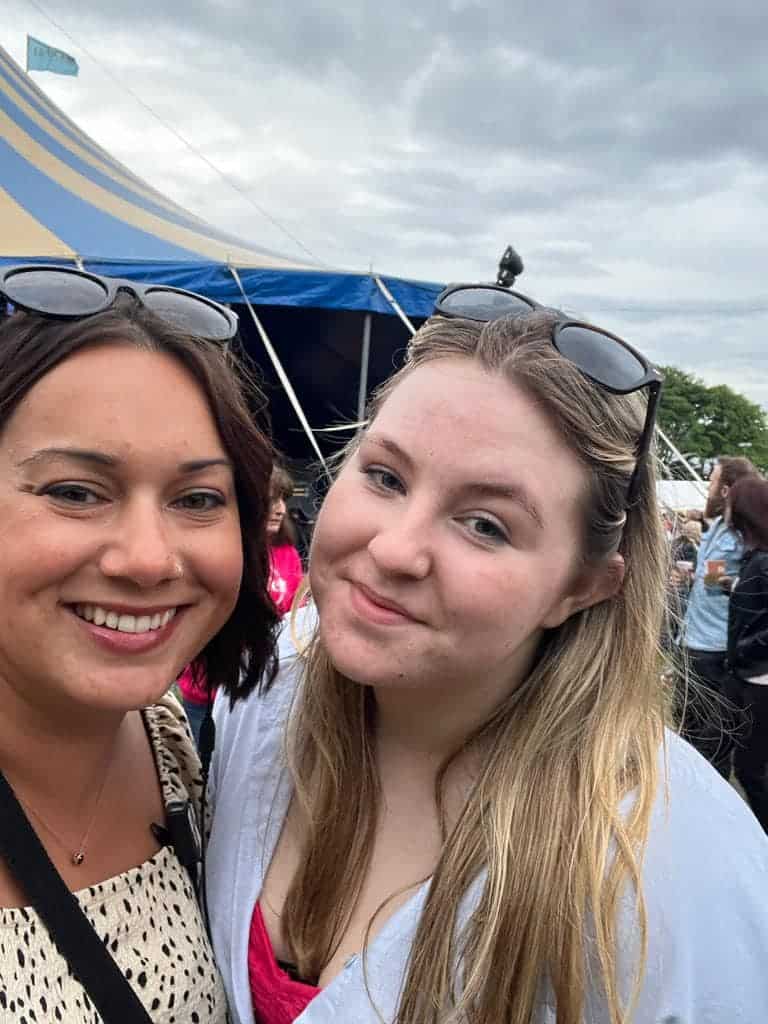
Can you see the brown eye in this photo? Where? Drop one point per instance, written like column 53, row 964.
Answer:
column 201, row 501
column 73, row 494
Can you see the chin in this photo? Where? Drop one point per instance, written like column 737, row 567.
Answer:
column 129, row 691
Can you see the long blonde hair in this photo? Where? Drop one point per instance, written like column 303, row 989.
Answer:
column 545, row 821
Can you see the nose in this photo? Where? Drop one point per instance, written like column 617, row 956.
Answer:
column 402, row 546
column 141, row 549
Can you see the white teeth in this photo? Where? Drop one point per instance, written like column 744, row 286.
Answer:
column 123, row 623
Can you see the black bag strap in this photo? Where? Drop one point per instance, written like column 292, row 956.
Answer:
column 72, row 932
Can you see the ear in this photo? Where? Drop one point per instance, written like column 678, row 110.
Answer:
column 592, row 586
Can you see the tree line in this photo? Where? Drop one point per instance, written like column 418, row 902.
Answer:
column 704, row 422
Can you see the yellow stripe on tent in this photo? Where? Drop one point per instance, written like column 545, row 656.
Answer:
column 105, row 201
column 127, row 181
column 25, row 236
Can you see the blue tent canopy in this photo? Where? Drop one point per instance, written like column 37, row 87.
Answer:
column 64, row 198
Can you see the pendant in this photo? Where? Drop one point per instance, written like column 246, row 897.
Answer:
column 78, row 858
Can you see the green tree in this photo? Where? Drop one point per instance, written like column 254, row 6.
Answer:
column 704, row 422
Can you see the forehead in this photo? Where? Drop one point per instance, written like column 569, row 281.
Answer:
column 468, row 424
column 116, row 396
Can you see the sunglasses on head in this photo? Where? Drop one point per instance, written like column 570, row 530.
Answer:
column 602, row 357
column 65, row 293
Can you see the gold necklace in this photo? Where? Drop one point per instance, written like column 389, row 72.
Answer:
column 77, row 856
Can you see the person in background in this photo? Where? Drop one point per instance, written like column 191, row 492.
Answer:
column 705, row 714
column 129, row 466
column 285, row 574
column 286, row 571
column 683, row 550
column 458, row 801
column 685, row 546
column 747, row 513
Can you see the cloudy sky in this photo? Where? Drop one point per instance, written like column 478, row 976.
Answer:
column 622, row 148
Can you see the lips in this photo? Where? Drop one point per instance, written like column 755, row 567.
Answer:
column 372, row 602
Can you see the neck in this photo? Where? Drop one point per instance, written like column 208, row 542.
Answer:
column 57, row 755
column 432, row 726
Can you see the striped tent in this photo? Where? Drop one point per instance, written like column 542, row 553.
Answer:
column 64, row 198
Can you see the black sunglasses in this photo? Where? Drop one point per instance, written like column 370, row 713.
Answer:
column 602, row 357
column 65, row 293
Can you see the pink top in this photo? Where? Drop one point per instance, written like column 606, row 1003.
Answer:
column 277, row 998
column 285, row 576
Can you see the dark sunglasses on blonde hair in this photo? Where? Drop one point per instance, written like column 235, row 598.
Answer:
column 65, row 293
column 602, row 357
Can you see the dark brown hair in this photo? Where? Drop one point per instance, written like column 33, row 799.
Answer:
column 748, row 502
column 733, row 468
column 281, row 486
column 243, row 651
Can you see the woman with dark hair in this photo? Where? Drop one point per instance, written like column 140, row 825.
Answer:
column 284, row 561
column 132, row 485
column 747, row 512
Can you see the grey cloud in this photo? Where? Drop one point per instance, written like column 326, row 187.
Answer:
column 621, row 147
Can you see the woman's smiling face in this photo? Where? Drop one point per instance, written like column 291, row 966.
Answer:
column 452, row 537
column 119, row 529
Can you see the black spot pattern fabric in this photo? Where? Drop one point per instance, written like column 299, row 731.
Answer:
column 147, row 917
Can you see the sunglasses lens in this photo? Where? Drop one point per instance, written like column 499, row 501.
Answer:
column 190, row 314
column 601, row 357
column 483, row 303
column 56, row 292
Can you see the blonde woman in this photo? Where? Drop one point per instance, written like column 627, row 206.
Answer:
column 459, row 800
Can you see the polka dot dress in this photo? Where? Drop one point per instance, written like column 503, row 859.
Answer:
column 147, row 917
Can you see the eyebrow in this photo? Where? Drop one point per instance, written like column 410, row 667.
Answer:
column 512, row 492
column 485, row 489
column 104, row 459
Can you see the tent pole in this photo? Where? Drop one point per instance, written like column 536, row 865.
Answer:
column 681, row 458
column 393, row 303
column 365, row 355
column 282, row 375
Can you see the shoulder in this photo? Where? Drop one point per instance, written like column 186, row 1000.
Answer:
column 175, row 752
column 695, row 803
column 722, row 537
column 755, row 564
column 705, row 885
column 263, row 714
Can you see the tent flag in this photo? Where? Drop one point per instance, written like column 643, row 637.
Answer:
column 42, row 57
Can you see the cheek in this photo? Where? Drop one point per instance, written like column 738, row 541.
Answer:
column 334, row 533
column 221, row 565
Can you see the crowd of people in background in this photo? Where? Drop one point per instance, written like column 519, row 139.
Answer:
column 718, row 626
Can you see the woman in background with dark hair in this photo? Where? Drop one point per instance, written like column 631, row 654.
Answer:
column 747, row 512
column 285, row 575
column 284, row 562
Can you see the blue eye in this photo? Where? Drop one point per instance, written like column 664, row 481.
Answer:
column 384, row 479
column 486, row 529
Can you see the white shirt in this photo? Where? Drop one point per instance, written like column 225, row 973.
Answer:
column 705, row 881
